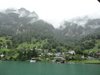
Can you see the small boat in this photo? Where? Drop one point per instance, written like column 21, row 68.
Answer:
column 33, row 60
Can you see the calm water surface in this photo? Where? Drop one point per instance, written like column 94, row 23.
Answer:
column 26, row 68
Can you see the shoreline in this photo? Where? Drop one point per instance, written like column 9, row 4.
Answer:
column 68, row 62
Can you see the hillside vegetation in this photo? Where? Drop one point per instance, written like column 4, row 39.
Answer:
column 24, row 36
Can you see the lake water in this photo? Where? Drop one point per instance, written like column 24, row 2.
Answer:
column 26, row 68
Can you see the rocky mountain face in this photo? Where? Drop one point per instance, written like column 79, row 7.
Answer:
column 25, row 25
column 11, row 20
column 74, row 29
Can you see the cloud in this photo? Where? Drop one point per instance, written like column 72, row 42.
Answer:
column 55, row 11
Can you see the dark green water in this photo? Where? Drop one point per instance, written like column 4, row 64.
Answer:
column 26, row 68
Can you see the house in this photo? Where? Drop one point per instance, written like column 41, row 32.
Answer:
column 59, row 59
column 71, row 52
column 58, row 54
column 50, row 54
column 90, row 58
column 82, row 57
column 98, row 54
column 2, row 55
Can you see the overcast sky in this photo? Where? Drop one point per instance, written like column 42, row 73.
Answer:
column 55, row 11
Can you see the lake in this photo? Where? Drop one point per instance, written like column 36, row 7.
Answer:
column 26, row 68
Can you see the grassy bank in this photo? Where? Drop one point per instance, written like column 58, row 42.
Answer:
column 85, row 61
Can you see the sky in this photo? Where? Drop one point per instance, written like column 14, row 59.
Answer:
column 56, row 11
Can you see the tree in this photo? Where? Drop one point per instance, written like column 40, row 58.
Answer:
column 5, row 42
column 88, row 44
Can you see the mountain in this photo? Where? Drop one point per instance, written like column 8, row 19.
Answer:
column 11, row 20
column 24, row 36
column 76, row 28
column 23, row 25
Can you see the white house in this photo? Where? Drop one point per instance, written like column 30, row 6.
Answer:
column 2, row 55
column 50, row 54
column 57, row 54
column 82, row 57
column 71, row 52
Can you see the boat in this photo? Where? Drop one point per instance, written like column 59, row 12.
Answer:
column 33, row 60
